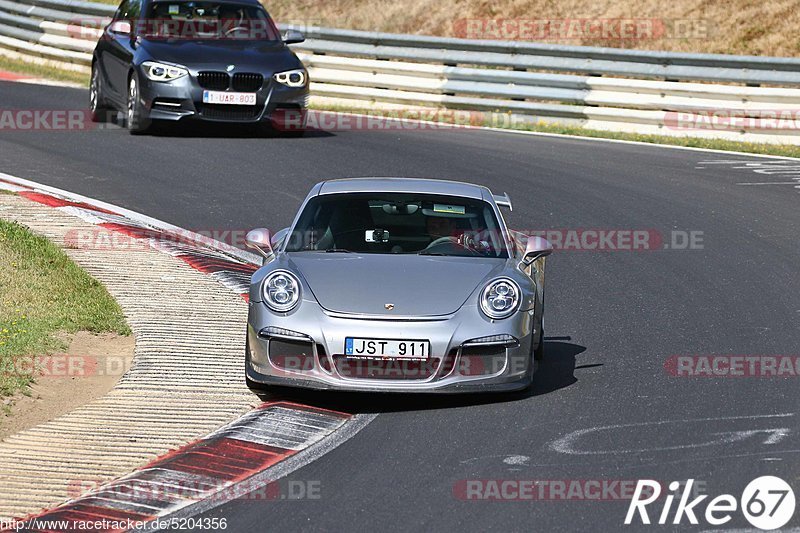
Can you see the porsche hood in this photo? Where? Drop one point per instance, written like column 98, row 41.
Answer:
column 413, row 285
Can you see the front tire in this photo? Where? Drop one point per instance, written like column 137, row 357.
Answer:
column 137, row 121
column 99, row 110
column 538, row 354
column 252, row 385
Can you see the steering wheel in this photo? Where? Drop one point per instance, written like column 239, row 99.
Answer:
column 451, row 241
column 234, row 29
column 442, row 240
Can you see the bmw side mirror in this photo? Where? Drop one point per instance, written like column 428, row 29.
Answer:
column 293, row 37
column 259, row 240
column 122, row 27
column 537, row 247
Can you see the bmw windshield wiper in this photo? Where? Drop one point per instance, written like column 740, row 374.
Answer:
column 423, row 252
column 337, row 251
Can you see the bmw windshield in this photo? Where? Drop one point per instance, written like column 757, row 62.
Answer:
column 208, row 21
column 398, row 223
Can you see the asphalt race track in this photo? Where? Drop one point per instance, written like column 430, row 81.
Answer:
column 603, row 407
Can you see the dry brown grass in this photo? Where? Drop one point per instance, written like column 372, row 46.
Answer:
column 732, row 27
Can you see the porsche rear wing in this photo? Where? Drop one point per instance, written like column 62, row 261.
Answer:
column 503, row 200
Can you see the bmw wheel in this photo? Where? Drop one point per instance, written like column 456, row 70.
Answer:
column 136, row 121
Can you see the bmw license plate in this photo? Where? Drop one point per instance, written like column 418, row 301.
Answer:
column 224, row 97
column 356, row 347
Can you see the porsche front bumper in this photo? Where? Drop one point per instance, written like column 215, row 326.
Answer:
column 469, row 353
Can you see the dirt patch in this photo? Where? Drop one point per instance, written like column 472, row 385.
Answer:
column 89, row 368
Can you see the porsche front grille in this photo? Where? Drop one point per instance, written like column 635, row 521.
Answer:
column 386, row 369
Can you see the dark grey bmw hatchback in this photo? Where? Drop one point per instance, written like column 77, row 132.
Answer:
column 218, row 60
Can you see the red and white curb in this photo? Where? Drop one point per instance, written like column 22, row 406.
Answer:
column 227, row 264
column 11, row 76
column 215, row 469
column 246, row 455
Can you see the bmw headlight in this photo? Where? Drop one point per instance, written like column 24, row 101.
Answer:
column 281, row 291
column 292, row 78
column 500, row 298
column 162, row 72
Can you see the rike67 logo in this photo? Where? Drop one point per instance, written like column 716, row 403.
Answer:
column 767, row 502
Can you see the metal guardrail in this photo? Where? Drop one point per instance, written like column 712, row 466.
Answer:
column 585, row 59
column 602, row 88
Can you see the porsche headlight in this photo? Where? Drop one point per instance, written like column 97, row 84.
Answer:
column 281, row 291
column 500, row 298
column 162, row 72
column 292, row 78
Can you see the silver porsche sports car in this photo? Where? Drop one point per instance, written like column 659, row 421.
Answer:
column 397, row 284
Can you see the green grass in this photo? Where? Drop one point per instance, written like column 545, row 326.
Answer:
column 40, row 71
column 43, row 293
column 784, row 150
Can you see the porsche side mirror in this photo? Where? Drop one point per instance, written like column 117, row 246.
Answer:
column 122, row 27
column 537, row 247
column 293, row 37
column 259, row 240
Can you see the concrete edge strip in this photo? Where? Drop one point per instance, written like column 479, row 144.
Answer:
column 515, row 132
column 233, row 460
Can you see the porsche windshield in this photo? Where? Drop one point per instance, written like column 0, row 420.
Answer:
column 398, row 223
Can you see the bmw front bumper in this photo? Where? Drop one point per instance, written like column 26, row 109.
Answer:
column 469, row 353
column 283, row 106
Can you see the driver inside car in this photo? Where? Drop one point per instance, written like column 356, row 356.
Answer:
column 231, row 20
column 445, row 227
column 439, row 227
